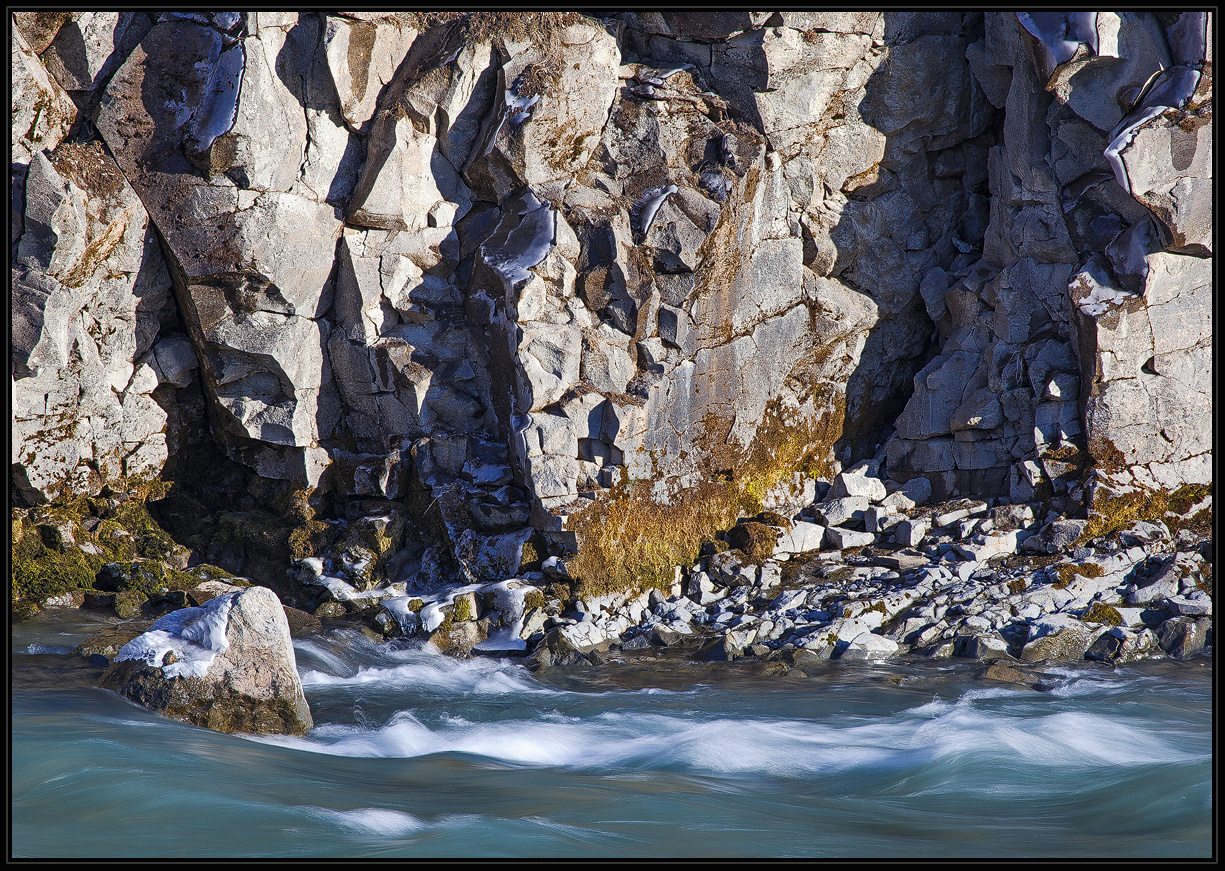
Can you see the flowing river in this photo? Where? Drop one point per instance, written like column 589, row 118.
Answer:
column 415, row 754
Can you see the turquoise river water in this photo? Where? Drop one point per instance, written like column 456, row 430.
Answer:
column 415, row 754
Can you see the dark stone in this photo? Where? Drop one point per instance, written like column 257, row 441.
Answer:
column 1183, row 637
column 983, row 647
column 638, row 642
column 755, row 539
column 301, row 624
column 719, row 649
column 99, row 601
column 1105, row 648
column 661, row 636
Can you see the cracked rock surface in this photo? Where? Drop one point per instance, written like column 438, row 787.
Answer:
column 475, row 282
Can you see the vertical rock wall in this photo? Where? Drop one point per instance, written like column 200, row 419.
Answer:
column 529, row 266
column 1086, row 324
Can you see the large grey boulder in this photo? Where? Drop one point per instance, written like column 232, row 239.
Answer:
column 1147, row 362
column 227, row 665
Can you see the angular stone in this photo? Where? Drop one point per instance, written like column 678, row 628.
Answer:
column 362, row 57
column 869, row 646
column 846, row 484
column 910, row 533
column 1183, row 637
column 834, row 512
column 845, row 538
column 43, row 113
column 1057, row 639
column 801, row 538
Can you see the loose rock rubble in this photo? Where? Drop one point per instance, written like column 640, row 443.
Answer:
column 958, row 578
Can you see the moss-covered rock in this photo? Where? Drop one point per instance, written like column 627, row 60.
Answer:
column 107, row 641
column 1099, row 612
column 330, row 610
column 25, row 610
column 755, row 539
column 773, row 518
column 128, row 604
column 457, row 637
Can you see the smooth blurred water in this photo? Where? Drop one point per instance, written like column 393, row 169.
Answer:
column 420, row 755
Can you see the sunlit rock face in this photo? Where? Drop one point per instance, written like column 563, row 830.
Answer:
column 517, row 262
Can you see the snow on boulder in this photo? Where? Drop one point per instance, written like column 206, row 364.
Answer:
column 227, row 665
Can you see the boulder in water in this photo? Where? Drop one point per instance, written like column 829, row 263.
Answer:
column 227, row 665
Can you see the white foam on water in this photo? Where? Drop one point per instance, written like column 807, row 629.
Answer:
column 371, row 821
column 938, row 731
column 49, row 648
column 1079, row 685
column 325, row 655
column 1023, row 735
column 436, row 674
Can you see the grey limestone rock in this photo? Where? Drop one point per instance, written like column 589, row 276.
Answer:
column 228, row 665
column 521, row 269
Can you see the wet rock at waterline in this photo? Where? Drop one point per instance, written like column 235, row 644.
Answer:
column 227, row 665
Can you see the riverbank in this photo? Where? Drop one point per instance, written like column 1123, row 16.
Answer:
column 869, row 572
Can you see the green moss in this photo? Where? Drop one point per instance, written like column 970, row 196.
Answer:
column 1065, row 573
column 1016, row 587
column 415, row 605
column 1187, row 497
column 773, row 518
column 304, row 540
column 462, row 609
column 631, row 542
column 39, row 573
column 529, row 559
column 1110, row 513
column 534, row 599
column 127, row 604
column 1100, row 612
column 25, row 610
column 47, row 565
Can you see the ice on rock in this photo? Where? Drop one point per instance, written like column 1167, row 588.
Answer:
column 226, row 21
column 398, row 608
column 218, row 109
column 194, row 635
column 1188, row 38
column 520, row 108
column 650, row 204
column 1128, row 253
column 195, row 17
column 1060, row 34
column 1093, row 292
column 515, row 247
column 1172, row 89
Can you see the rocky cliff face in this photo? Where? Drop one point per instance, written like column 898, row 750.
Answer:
column 489, row 285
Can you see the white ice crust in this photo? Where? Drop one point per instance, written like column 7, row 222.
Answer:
column 195, row 635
